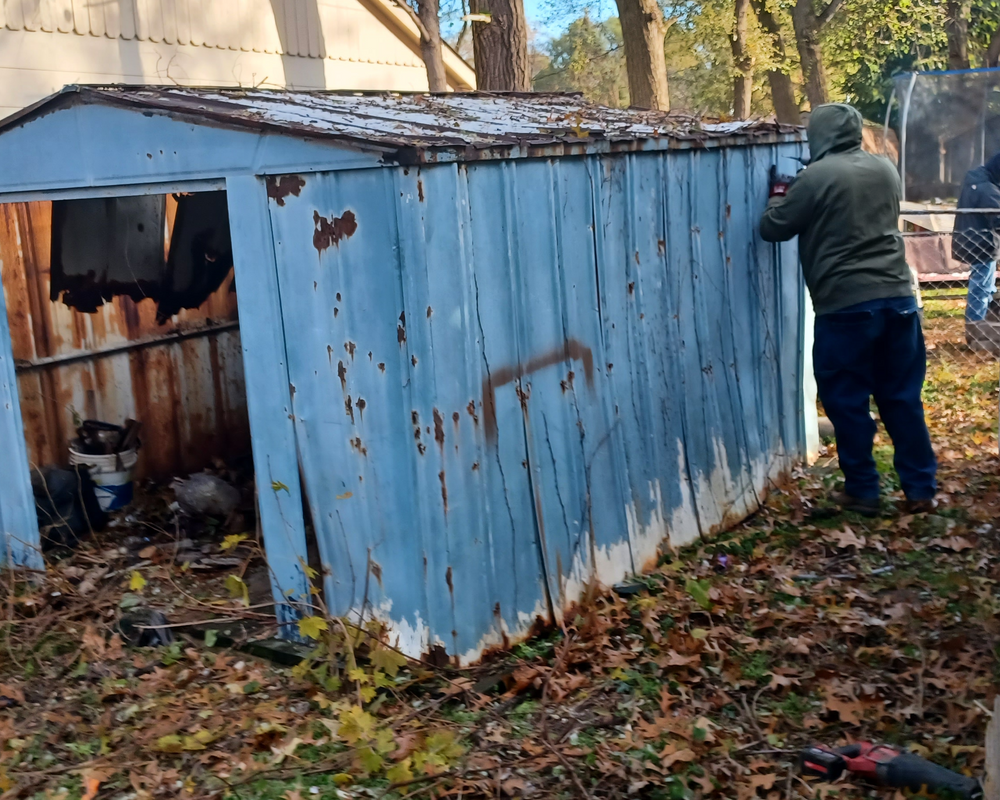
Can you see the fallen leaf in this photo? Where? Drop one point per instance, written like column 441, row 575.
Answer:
column 847, row 538
column 955, row 543
column 671, row 758
column 850, row 711
column 311, row 627
column 136, row 582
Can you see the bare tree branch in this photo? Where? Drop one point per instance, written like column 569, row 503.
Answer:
column 416, row 20
column 827, row 13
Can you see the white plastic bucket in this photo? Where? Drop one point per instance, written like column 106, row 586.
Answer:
column 113, row 486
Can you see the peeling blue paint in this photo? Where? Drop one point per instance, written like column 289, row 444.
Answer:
column 501, row 375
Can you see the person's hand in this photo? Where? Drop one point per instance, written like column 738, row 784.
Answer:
column 778, row 185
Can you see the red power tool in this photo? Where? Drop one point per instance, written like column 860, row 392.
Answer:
column 888, row 766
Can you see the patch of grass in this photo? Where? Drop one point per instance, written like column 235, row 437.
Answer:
column 795, row 707
column 461, row 715
column 755, row 666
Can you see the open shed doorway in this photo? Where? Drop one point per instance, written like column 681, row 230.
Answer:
column 125, row 309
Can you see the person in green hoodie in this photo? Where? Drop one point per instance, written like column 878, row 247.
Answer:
column 844, row 207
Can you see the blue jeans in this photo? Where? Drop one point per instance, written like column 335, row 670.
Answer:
column 982, row 285
column 876, row 349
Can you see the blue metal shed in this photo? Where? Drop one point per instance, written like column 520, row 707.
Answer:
column 511, row 344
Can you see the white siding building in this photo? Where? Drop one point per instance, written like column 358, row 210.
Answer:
column 301, row 44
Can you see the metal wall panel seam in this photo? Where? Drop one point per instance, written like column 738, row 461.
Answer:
column 510, row 193
column 475, row 360
column 275, row 450
column 731, row 338
column 418, row 349
column 615, row 432
column 20, row 544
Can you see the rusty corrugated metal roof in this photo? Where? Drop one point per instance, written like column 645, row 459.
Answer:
column 473, row 121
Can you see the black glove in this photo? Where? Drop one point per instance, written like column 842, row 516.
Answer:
column 778, row 185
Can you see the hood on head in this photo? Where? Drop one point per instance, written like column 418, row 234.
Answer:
column 833, row 128
column 993, row 169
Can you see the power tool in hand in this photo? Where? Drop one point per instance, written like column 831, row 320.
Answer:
column 888, row 766
column 778, row 185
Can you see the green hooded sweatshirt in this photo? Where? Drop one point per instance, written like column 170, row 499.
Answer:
column 844, row 207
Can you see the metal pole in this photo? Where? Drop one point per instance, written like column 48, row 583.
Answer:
column 888, row 116
column 902, row 137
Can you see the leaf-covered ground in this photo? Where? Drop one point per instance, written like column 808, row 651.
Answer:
column 801, row 625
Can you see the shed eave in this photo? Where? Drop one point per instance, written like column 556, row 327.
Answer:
column 557, row 148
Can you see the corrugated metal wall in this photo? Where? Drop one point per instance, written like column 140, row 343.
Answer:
column 183, row 380
column 512, row 377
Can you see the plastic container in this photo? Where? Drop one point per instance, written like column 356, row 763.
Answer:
column 112, row 476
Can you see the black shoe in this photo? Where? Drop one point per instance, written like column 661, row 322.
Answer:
column 865, row 506
column 919, row 506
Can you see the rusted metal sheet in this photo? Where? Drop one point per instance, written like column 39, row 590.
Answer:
column 183, row 380
column 501, row 376
column 412, row 127
column 512, row 379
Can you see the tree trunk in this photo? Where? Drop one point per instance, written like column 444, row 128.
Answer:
column 742, row 62
column 643, row 29
column 807, row 27
column 956, row 27
column 993, row 52
column 500, row 46
column 786, row 110
column 430, row 45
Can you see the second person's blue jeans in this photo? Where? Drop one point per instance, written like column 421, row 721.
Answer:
column 876, row 349
column 982, row 285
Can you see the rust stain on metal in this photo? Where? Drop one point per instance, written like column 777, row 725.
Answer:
column 571, row 350
column 350, row 347
column 332, row 231
column 500, row 626
column 420, row 190
column 438, row 428
column 437, row 657
column 381, row 366
column 183, row 379
column 280, row 186
column 631, row 287
column 471, row 409
column 413, row 360
column 349, row 408
column 401, row 328
column 661, row 246
column 429, row 312
column 342, row 374
column 338, row 297
column 475, row 466
column 361, row 405
column 636, row 256
column 329, row 354
column 357, row 445
column 444, row 491
column 336, row 312
column 567, row 384
column 448, row 580
column 376, row 570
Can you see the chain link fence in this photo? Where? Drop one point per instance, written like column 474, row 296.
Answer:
column 952, row 253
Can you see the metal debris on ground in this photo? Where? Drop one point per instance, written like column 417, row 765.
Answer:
column 206, row 494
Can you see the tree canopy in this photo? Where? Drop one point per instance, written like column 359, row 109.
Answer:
column 862, row 45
